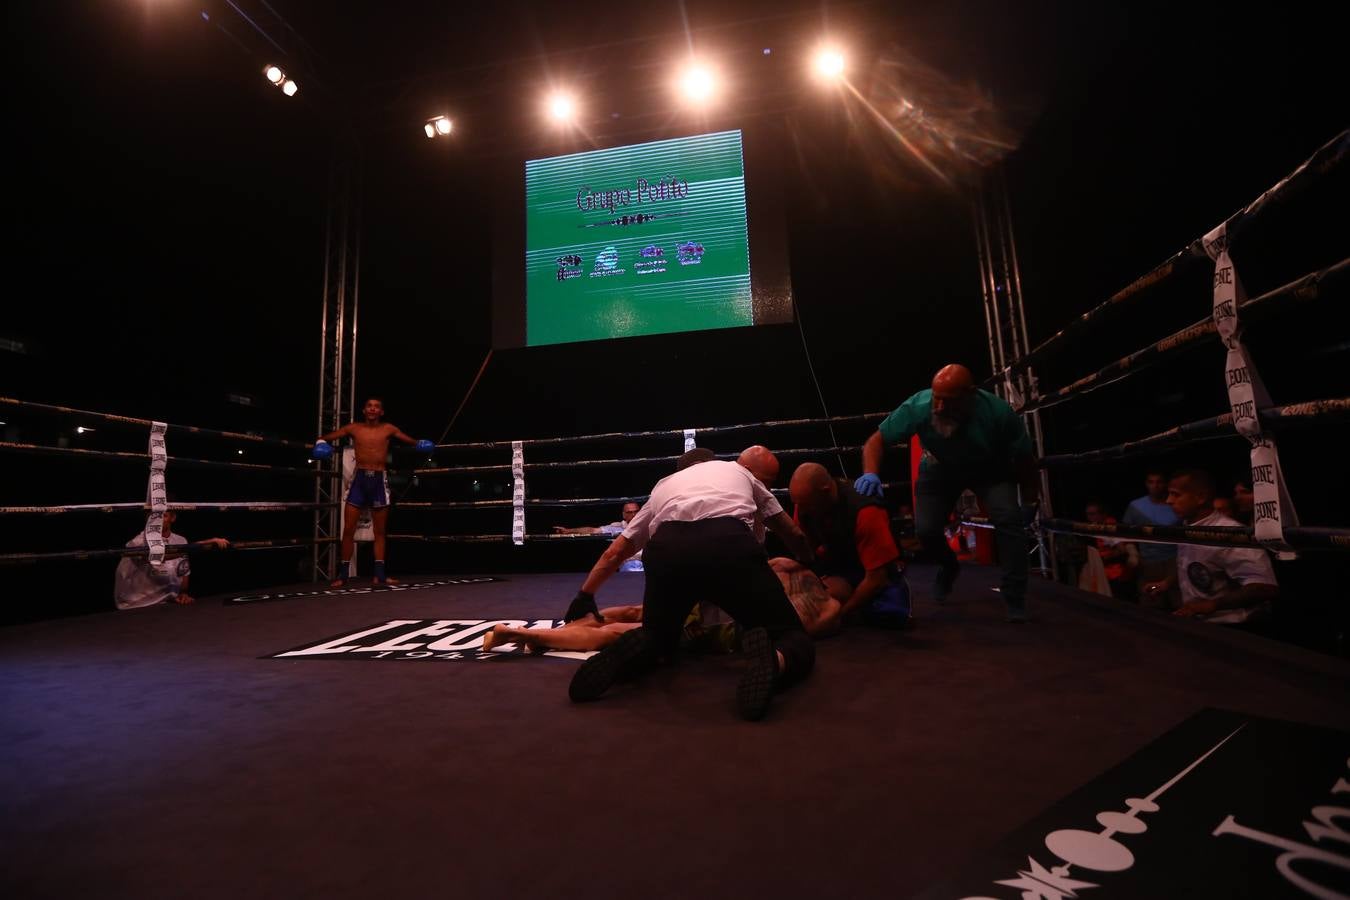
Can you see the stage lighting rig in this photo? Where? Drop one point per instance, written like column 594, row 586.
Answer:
column 278, row 77
column 437, row 125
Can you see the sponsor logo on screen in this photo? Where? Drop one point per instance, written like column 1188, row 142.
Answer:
column 569, row 267
column 690, row 253
column 607, row 263
column 651, row 260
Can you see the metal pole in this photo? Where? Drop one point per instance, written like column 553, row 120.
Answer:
column 321, row 488
column 998, row 322
column 1028, row 378
column 1017, row 276
column 356, row 291
column 1004, row 218
column 984, row 286
column 345, row 223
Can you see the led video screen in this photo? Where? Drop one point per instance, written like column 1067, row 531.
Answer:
column 646, row 239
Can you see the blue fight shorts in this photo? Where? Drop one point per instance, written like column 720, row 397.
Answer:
column 367, row 490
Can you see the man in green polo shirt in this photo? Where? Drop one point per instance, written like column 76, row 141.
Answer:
column 971, row 439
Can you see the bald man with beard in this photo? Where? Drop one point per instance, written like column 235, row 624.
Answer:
column 971, row 439
column 856, row 556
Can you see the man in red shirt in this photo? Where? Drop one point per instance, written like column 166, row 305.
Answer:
column 856, row 555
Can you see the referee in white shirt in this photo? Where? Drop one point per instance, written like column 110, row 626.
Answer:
column 695, row 532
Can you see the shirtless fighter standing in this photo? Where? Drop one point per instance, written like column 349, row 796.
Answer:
column 368, row 491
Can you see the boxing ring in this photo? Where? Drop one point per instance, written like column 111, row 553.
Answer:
column 207, row 752
column 1252, row 415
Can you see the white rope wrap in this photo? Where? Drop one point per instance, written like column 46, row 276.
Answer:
column 156, row 494
column 518, row 493
column 1273, row 508
column 689, row 443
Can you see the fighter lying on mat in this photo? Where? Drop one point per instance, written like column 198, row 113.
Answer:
column 818, row 611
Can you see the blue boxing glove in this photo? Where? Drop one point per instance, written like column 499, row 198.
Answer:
column 868, row 484
column 322, row 450
column 425, row 446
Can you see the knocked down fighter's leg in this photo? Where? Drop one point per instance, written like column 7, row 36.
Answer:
column 576, row 637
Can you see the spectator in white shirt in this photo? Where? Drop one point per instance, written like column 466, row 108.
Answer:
column 1227, row 585
column 138, row 582
column 630, row 509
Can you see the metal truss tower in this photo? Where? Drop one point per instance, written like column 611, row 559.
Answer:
column 1005, row 317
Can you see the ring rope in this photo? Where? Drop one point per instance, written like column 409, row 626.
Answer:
column 251, row 505
column 662, row 433
column 1322, row 162
column 1312, row 286
column 1300, row 537
column 639, row 460
column 11, row 559
column 124, row 455
column 1221, row 426
column 129, row 420
column 579, row 501
column 1297, row 538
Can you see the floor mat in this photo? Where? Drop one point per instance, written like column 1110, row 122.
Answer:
column 1224, row 805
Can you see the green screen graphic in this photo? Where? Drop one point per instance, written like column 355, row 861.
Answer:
column 646, row 239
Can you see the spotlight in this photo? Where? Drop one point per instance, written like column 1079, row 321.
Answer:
column 80, row 429
column 275, row 75
column 429, row 129
column 829, row 63
column 697, row 83
column 561, row 107
column 437, row 125
column 240, row 452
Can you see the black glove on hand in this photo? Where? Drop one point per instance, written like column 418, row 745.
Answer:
column 583, row 604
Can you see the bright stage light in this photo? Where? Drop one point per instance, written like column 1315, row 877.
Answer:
column 274, row 74
column 561, row 107
column 437, row 126
column 289, row 88
column 697, row 83
column 829, row 63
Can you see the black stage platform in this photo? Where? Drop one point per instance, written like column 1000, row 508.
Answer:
column 155, row 754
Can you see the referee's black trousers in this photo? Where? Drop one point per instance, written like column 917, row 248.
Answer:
column 719, row 560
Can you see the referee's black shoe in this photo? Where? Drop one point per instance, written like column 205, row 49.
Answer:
column 756, row 687
column 628, row 657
